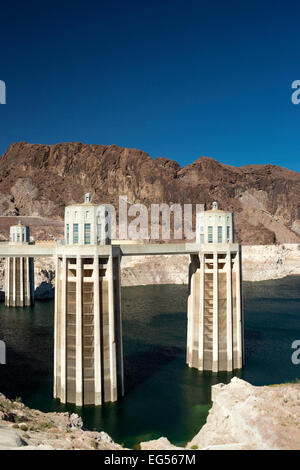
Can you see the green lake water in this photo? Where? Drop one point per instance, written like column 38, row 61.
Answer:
column 163, row 396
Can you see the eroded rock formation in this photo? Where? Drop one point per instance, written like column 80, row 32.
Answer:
column 39, row 180
column 23, row 428
column 248, row 417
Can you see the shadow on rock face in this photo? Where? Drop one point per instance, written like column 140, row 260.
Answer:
column 44, row 291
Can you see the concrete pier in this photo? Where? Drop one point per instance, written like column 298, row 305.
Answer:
column 88, row 332
column 19, row 281
column 19, row 270
column 215, row 322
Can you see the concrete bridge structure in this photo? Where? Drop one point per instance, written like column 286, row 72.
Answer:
column 88, row 352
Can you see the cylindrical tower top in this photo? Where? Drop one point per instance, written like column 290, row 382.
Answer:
column 87, row 223
column 214, row 226
column 19, row 233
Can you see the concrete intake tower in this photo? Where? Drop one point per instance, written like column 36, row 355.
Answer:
column 19, row 271
column 215, row 315
column 88, row 356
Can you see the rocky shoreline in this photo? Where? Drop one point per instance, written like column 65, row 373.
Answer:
column 259, row 263
column 242, row 417
column 22, row 428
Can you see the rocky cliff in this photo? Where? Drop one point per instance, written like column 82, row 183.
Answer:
column 39, row 180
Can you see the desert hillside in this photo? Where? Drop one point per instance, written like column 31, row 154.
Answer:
column 39, row 180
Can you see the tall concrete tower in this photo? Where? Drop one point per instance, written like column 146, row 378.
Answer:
column 88, row 357
column 19, row 279
column 215, row 315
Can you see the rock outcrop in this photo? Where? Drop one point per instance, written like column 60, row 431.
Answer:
column 245, row 417
column 39, row 180
column 158, row 444
column 10, row 438
column 262, row 262
column 248, row 417
column 259, row 263
column 22, row 428
column 145, row 270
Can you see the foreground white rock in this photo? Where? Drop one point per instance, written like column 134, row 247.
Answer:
column 159, row 444
column 248, row 417
column 22, row 428
column 10, row 438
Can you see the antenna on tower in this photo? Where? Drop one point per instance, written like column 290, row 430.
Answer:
column 87, row 197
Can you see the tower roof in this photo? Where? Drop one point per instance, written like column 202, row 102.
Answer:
column 215, row 209
column 87, row 201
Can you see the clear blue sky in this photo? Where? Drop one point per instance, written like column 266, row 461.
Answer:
column 178, row 79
